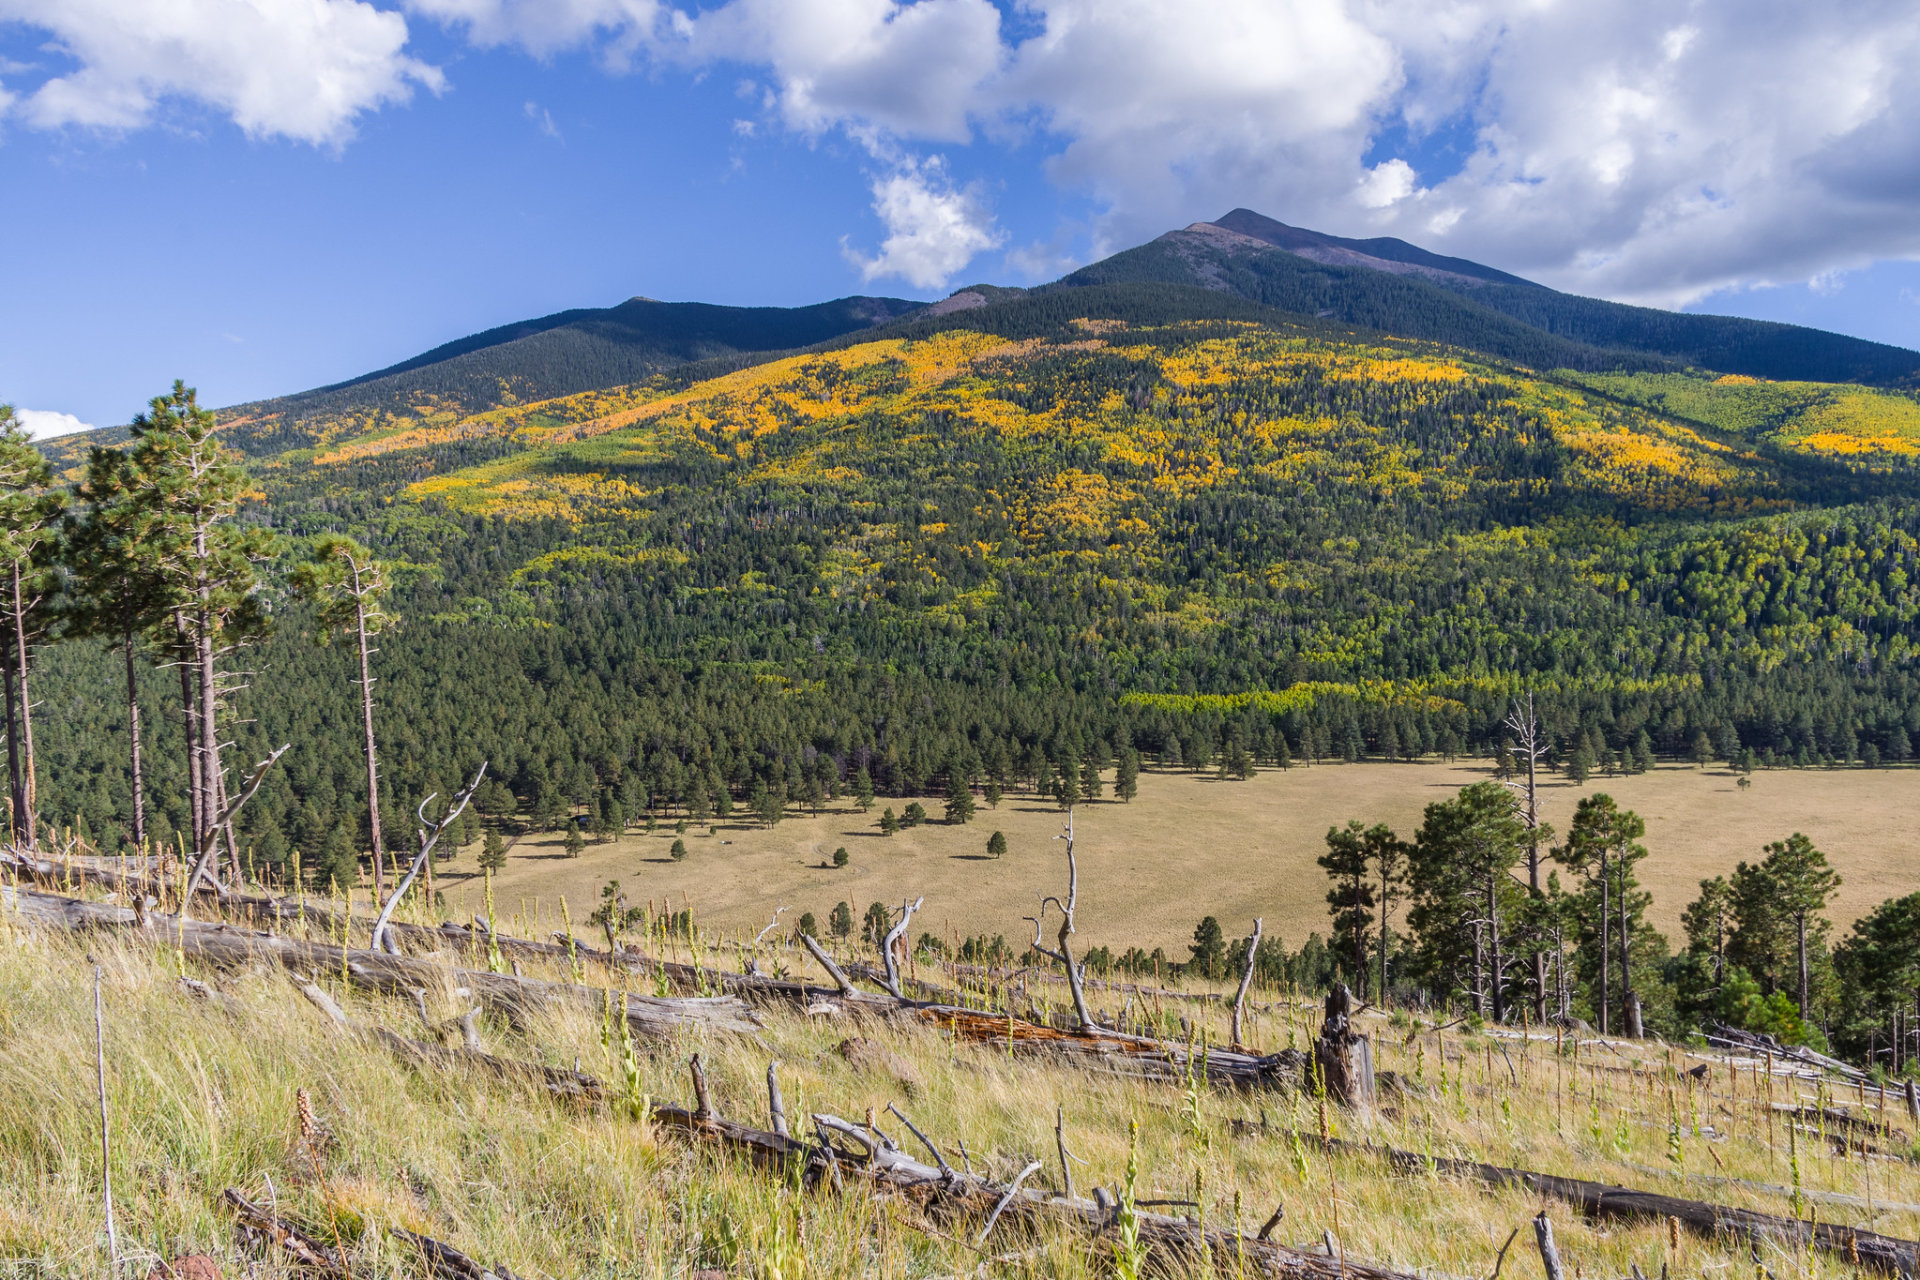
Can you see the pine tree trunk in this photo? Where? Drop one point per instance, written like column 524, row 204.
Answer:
column 196, row 794
column 1606, row 943
column 16, row 801
column 1628, row 1018
column 133, row 739
column 373, row 770
column 1499, row 969
column 209, row 725
column 1800, row 947
column 28, row 791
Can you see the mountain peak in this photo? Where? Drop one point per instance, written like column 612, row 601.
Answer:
column 1382, row 253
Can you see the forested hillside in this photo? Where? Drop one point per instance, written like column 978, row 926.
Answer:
column 1035, row 539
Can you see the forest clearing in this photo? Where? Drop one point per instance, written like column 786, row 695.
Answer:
column 1192, row 845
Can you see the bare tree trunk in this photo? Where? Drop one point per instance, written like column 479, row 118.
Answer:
column 1479, row 971
column 16, row 799
column 1527, row 725
column 1345, row 1057
column 1499, row 969
column 29, row 817
column 133, row 738
column 1606, row 943
column 373, row 769
column 1628, row 1018
column 1800, row 948
column 190, row 709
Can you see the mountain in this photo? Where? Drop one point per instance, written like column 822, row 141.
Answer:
column 1397, row 288
column 556, row 355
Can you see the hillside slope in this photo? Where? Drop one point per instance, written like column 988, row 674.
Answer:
column 1061, row 526
column 1398, row 288
column 569, row 351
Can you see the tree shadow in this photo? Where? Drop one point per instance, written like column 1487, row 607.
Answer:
column 972, row 857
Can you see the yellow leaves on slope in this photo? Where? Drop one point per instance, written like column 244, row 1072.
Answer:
column 1856, row 422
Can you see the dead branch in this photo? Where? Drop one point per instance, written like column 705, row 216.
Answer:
column 1062, row 953
column 381, row 942
column 206, row 855
column 301, row 1245
column 892, row 979
column 1246, row 981
column 834, row 971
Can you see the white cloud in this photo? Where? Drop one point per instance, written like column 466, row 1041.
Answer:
column 43, row 424
column 933, row 229
column 545, row 27
column 1387, row 183
column 543, row 120
column 301, row 69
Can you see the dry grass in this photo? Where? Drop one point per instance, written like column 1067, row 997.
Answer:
column 204, row 1098
column 1191, row 846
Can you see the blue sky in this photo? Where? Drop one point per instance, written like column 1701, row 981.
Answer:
column 265, row 195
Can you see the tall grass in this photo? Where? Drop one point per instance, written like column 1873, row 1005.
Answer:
column 204, row 1096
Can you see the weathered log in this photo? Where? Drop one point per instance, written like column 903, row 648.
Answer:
column 447, row 1262
column 512, row 997
column 1344, row 1057
column 949, row 1197
column 1725, row 1037
column 299, row 1243
column 1120, row 1054
column 1867, row 1248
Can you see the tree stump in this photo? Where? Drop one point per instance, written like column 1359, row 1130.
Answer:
column 1345, row 1058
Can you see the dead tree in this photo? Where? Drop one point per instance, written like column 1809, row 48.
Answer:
column 1344, row 1057
column 381, row 940
column 1246, row 980
column 887, row 952
column 1063, row 953
column 203, row 864
column 1525, row 725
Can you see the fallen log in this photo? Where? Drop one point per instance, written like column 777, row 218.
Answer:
column 299, row 1243
column 950, row 1198
column 1121, row 1054
column 513, row 997
column 447, row 1262
column 1725, row 1037
column 1864, row 1248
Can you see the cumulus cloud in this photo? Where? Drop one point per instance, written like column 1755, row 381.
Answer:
column 1610, row 148
column 1387, row 183
column 43, row 424
column 301, row 69
column 933, row 228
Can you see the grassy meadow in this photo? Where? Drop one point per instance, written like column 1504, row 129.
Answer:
column 1190, row 845
column 204, row 1095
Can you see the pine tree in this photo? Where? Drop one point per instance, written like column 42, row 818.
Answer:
column 493, row 853
column 115, row 593
column 1801, row 883
column 678, row 851
column 876, row 923
column 1603, row 846
column 29, row 520
column 191, row 485
column 575, row 843
column 1209, row 949
column 996, row 845
column 1126, row 775
column 863, row 789
column 888, row 823
column 840, row 856
column 841, row 921
column 959, row 800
